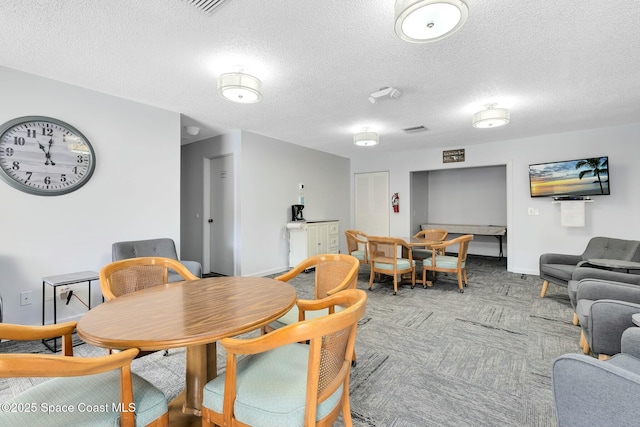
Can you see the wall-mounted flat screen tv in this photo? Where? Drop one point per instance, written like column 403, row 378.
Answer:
column 570, row 178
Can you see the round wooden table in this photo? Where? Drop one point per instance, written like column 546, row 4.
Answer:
column 193, row 314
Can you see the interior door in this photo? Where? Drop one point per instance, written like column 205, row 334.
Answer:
column 221, row 226
column 372, row 203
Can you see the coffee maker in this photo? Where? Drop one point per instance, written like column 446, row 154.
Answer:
column 296, row 213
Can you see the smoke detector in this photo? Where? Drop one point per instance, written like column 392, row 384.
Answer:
column 385, row 92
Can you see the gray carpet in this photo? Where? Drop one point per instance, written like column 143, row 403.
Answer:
column 431, row 357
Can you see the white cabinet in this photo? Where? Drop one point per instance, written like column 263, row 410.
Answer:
column 311, row 238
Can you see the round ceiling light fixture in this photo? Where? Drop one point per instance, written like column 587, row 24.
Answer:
column 366, row 139
column 424, row 21
column 492, row 117
column 240, row 87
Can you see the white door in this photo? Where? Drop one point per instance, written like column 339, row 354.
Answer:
column 221, row 226
column 372, row 203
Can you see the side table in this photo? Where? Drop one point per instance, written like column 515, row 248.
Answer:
column 63, row 280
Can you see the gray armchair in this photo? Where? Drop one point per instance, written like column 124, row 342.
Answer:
column 604, row 310
column 163, row 247
column 587, row 391
column 559, row 268
column 596, row 273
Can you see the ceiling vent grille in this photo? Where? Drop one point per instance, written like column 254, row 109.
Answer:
column 415, row 129
column 207, row 6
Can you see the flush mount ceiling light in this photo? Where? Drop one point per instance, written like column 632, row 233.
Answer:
column 192, row 130
column 239, row 87
column 366, row 139
column 492, row 117
column 423, row 21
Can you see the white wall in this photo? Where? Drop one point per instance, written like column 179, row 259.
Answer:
column 529, row 236
column 267, row 174
column 133, row 194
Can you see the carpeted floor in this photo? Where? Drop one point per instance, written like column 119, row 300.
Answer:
column 430, row 357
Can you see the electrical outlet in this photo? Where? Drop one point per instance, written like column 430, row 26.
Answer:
column 25, row 297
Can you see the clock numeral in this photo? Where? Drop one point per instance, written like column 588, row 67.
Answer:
column 75, row 170
column 63, row 178
column 28, row 176
column 80, row 159
column 18, row 140
column 9, row 151
column 15, row 166
column 31, row 133
column 47, row 180
column 47, row 131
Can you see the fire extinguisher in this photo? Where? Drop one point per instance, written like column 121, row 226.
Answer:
column 395, row 202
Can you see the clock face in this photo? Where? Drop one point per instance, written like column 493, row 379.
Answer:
column 44, row 156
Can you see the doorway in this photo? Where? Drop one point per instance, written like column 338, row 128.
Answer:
column 372, row 205
column 221, row 216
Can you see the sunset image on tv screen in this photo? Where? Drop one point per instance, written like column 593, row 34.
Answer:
column 582, row 177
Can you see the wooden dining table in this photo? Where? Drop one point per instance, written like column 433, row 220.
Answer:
column 194, row 314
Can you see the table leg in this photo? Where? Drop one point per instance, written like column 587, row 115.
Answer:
column 202, row 367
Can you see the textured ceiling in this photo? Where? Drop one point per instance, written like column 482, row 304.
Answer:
column 557, row 65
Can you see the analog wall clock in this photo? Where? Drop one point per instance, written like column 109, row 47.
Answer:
column 44, row 156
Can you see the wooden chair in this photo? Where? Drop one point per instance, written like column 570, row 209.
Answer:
column 133, row 274
column 281, row 382
column 130, row 275
column 89, row 383
column 448, row 263
column 433, row 235
column 385, row 258
column 333, row 273
column 357, row 245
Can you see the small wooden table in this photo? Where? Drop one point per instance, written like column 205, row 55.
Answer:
column 615, row 264
column 193, row 314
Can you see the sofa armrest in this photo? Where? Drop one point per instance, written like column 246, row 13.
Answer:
column 631, row 341
column 595, row 289
column 593, row 392
column 599, row 273
column 193, row 266
column 560, row 259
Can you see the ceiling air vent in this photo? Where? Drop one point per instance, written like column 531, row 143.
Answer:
column 415, row 129
column 207, row 6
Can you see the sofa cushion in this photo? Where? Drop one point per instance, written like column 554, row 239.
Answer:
column 358, row 254
column 610, row 248
column 560, row 271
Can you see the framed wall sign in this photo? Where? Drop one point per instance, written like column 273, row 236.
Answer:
column 451, row 156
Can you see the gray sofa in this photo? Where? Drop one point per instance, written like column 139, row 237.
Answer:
column 559, row 268
column 162, row 247
column 588, row 391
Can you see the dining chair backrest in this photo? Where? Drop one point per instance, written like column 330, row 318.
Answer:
column 129, row 275
column 357, row 245
column 78, row 381
column 306, row 364
column 432, row 234
column 333, row 273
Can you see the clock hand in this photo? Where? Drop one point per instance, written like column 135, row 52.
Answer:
column 48, row 154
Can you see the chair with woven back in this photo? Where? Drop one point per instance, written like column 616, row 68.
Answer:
column 431, row 235
column 297, row 375
column 385, row 257
column 333, row 273
column 91, row 391
column 357, row 245
column 133, row 274
column 448, row 263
